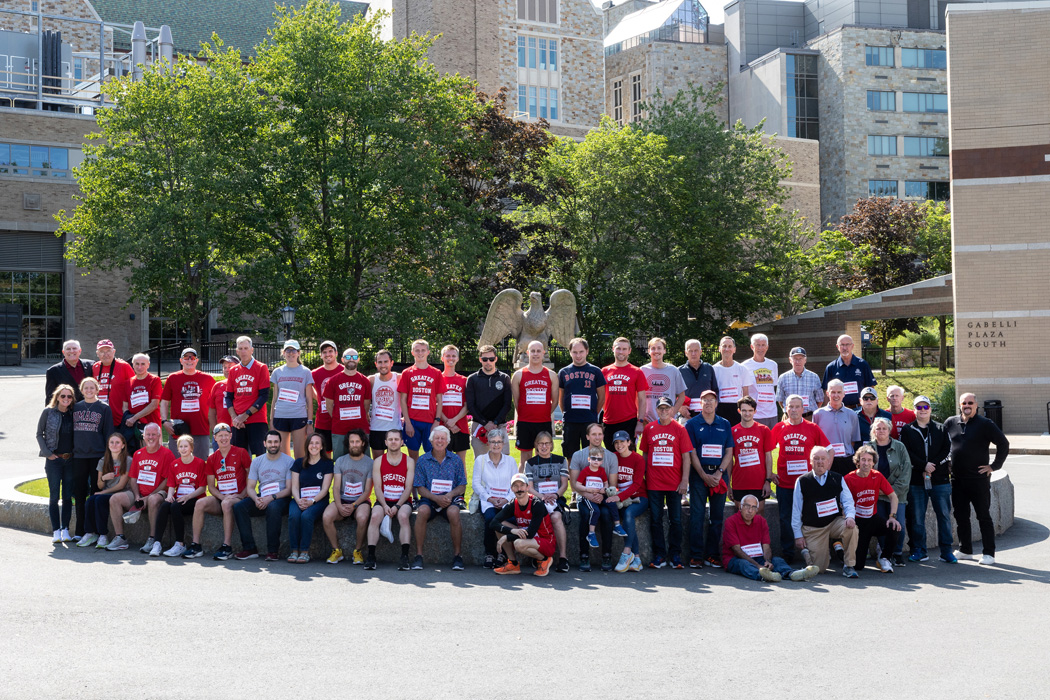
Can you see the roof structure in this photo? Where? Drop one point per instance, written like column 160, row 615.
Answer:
column 654, row 18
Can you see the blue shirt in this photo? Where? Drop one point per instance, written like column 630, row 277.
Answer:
column 580, row 381
column 449, row 469
column 719, row 432
column 865, row 424
column 857, row 371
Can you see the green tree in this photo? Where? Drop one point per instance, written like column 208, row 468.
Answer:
column 934, row 247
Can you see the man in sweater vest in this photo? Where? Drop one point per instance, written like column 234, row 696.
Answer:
column 823, row 511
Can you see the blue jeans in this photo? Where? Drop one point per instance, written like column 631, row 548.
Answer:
column 785, row 502
column 245, row 510
column 918, row 496
column 627, row 516
column 749, row 570
column 700, row 497
column 301, row 523
column 674, row 519
column 59, row 483
column 893, row 543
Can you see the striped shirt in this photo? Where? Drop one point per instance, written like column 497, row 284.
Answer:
column 807, row 386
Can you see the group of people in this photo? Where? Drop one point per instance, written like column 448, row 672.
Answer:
column 635, row 440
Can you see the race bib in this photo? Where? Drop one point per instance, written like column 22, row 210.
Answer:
column 349, row 412
column 805, row 404
column 547, row 487
column 729, row 395
column 500, row 493
column 307, row 492
column 581, row 401
column 594, row 482
column 185, row 490
column 270, row 489
column 711, row 451
column 420, row 402
column 191, row 405
column 383, row 412
column 352, row 491
column 752, row 550
column 228, row 487
column 452, row 398
column 696, row 405
column 663, row 459
column 393, row 492
column 850, row 387
column 147, row 478
column 624, row 485
column 440, row 486
column 797, row 467
column 139, row 397
column 748, row 459
column 536, row 397
column 766, row 394
column 839, row 449
column 828, row 507
column 865, row 511
column 288, row 395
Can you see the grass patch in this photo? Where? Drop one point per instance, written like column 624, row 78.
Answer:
column 36, row 487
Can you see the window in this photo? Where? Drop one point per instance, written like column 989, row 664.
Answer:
column 545, row 11
column 802, row 97
column 878, row 56
column 937, row 191
column 164, row 330
column 537, row 59
column 636, row 98
column 882, row 188
column 882, row 145
column 925, row 102
column 618, row 102
column 554, row 104
column 40, row 296
column 534, row 52
column 882, row 101
column 936, row 59
column 926, row 146
column 78, row 69
column 34, row 161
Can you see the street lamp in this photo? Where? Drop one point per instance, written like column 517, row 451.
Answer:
column 288, row 318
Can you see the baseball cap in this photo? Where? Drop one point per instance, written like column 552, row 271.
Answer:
column 663, row 401
column 519, row 478
column 221, row 427
column 705, row 392
column 328, row 344
column 188, row 351
column 797, row 350
column 105, row 343
column 868, row 391
column 621, row 435
column 293, row 344
column 230, row 358
column 921, row 399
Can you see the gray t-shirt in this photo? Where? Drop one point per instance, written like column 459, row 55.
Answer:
column 127, row 466
column 268, row 471
column 666, row 381
column 289, row 398
column 352, row 474
column 579, row 461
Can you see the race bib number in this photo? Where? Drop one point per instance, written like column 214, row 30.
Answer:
column 288, row 395
column 352, row 491
column 393, row 492
column 228, row 487
column 270, row 489
column 696, row 405
column 748, row 459
column 147, row 478
column 850, row 387
column 663, row 459
column 349, row 412
column 440, row 486
column 711, row 451
column 191, row 405
column 309, row 491
column 839, row 449
column 500, row 493
column 797, row 467
column 752, row 550
column 547, row 487
column 420, row 402
column 729, row 395
column 452, row 398
column 536, row 397
column 581, row 401
column 139, row 397
column 594, row 482
column 185, row 490
column 384, row 412
column 828, row 507
column 865, row 511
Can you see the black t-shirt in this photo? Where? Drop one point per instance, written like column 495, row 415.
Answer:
column 65, row 433
column 311, row 476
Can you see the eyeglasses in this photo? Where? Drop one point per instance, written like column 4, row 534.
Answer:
column 922, row 408
column 748, row 506
column 488, row 359
column 66, row 396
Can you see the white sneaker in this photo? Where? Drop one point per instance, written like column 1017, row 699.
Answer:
column 156, row 549
column 987, row 559
column 963, row 556
column 885, row 565
column 145, row 549
column 118, row 543
column 132, row 516
column 176, row 550
column 57, row 537
column 385, row 530
column 103, row 540
column 769, row 575
column 88, row 540
column 66, row 537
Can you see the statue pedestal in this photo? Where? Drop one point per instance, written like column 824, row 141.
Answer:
column 521, row 365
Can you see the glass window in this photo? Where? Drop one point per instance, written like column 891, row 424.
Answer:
column 878, row 56
column 936, row 191
column 40, row 296
column 618, row 102
column 521, row 52
column 532, row 52
column 687, row 24
column 882, row 188
column 532, row 101
column 803, row 106
column 523, row 105
column 543, row 102
column 554, row 104
column 925, row 102
column 882, row 145
column 552, row 58
column 882, row 101
column 39, row 161
column 78, row 69
column 5, row 157
column 19, row 156
column 636, row 98
column 936, row 59
column 543, row 54
column 926, row 146
column 545, row 11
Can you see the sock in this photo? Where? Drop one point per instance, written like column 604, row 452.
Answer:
column 404, row 550
column 372, row 551
column 514, row 562
column 543, row 559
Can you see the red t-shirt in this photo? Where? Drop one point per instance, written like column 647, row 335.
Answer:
column 795, row 443
column 749, row 538
column 534, row 396
column 231, row 472
column 393, row 477
column 453, row 400
column 900, row 420
column 866, row 491
column 141, row 392
column 113, row 385
column 630, row 476
column 246, row 383
column 187, row 478
column 593, row 478
column 321, row 376
column 750, row 446
column 423, row 386
column 523, row 518
column 218, row 402
column 189, row 399
column 348, row 395
column 622, row 385
column 150, row 469
column 665, row 446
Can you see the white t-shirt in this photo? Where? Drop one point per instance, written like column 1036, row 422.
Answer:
column 732, row 380
column 765, row 392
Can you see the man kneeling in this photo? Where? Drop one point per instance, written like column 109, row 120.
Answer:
column 526, row 528
column 746, row 551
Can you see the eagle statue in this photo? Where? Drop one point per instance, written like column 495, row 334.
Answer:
column 506, row 318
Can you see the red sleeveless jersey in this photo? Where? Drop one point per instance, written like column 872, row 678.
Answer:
column 534, row 396
column 523, row 518
column 394, row 477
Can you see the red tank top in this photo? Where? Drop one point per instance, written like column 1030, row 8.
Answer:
column 534, row 396
column 523, row 518
column 394, row 477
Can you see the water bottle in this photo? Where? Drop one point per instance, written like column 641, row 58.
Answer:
column 927, row 482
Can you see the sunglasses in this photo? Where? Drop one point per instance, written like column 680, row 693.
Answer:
column 920, row 407
column 66, row 396
column 595, row 459
column 867, row 398
column 488, row 359
column 350, row 357
column 969, row 403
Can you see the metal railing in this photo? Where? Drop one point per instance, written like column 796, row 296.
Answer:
column 907, row 357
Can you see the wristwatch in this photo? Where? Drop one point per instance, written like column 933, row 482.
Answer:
column 309, row 422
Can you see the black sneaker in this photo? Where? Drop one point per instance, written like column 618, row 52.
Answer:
column 840, row 552
column 563, row 566
column 606, row 562
column 225, row 552
column 193, row 551
column 490, row 561
column 898, row 560
column 417, row 563
column 403, row 566
column 457, row 563
column 370, row 563
column 585, row 563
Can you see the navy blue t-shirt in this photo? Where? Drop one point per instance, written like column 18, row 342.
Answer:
column 856, row 376
column 582, row 382
column 312, row 476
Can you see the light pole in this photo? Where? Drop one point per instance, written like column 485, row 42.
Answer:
column 288, row 318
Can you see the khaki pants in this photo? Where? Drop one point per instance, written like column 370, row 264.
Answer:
column 818, row 542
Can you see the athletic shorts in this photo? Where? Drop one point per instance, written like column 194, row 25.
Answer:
column 435, row 511
column 288, row 425
column 327, row 435
column 738, row 494
column 460, row 442
column 421, row 437
column 366, row 504
column 546, row 546
column 377, row 439
column 393, row 503
column 526, row 433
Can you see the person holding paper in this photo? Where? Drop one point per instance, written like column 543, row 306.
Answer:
column 227, row 471
column 440, row 482
column 311, row 479
column 393, row 473
column 852, row 371
column 841, row 426
column 823, row 510
column 491, row 481
column 269, row 493
column 746, row 550
column 734, row 382
column 794, row 437
column 352, row 486
column 712, row 437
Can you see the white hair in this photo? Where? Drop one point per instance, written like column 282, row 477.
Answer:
column 836, row 384
column 891, row 387
column 759, row 336
column 140, row 355
column 844, row 335
column 692, row 341
column 74, row 343
column 821, row 448
column 441, row 429
column 498, row 432
column 245, row 339
column 793, row 397
column 752, row 496
column 877, row 422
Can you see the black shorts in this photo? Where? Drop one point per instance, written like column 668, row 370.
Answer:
column 738, row 494
column 393, row 503
column 326, row 435
column 526, row 433
column 251, row 437
column 460, row 442
column 288, row 425
column 377, row 439
column 612, row 428
column 435, row 511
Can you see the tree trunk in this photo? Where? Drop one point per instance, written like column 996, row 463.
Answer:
column 885, row 341
column 942, row 362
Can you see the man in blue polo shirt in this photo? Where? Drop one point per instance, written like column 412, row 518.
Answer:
column 712, row 438
column 852, row 371
column 582, row 396
column 440, row 480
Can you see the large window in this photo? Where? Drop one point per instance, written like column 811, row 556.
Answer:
column 882, row 145
column 537, row 52
column 882, row 100
column 636, row 98
column 925, row 102
column 926, row 146
column 618, row 102
column 878, row 56
column 922, row 189
column 40, row 296
column 545, row 11
column 803, row 118
column 538, row 102
column 537, row 62
column 33, row 161
column 882, row 188
column 924, row 58
column 164, row 330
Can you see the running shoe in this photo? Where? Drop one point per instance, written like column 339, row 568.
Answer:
column 964, row 556
column 585, row 564
column 607, row 562
column 370, row 563
column 193, row 551
column 919, row 555
column 156, row 549
column 987, row 560
column 885, row 565
column 696, row 563
column 563, row 566
column 592, row 540
column 417, row 563
column 636, row 563
column 509, row 568
column 118, row 543
column 769, row 575
column 403, row 565
column 272, row 556
column 145, row 549
column 543, row 567
column 359, row 557
column 103, row 540
column 335, row 557
column 245, row 554
column 657, row 562
column 714, row 562
column 224, row 552
column 849, row 572
column 87, row 540
column 949, row 558
column 490, row 561
column 676, row 562
column 176, row 550
column 625, row 562
column 619, row 531
column 457, row 563
column 66, row 537
column 898, row 559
